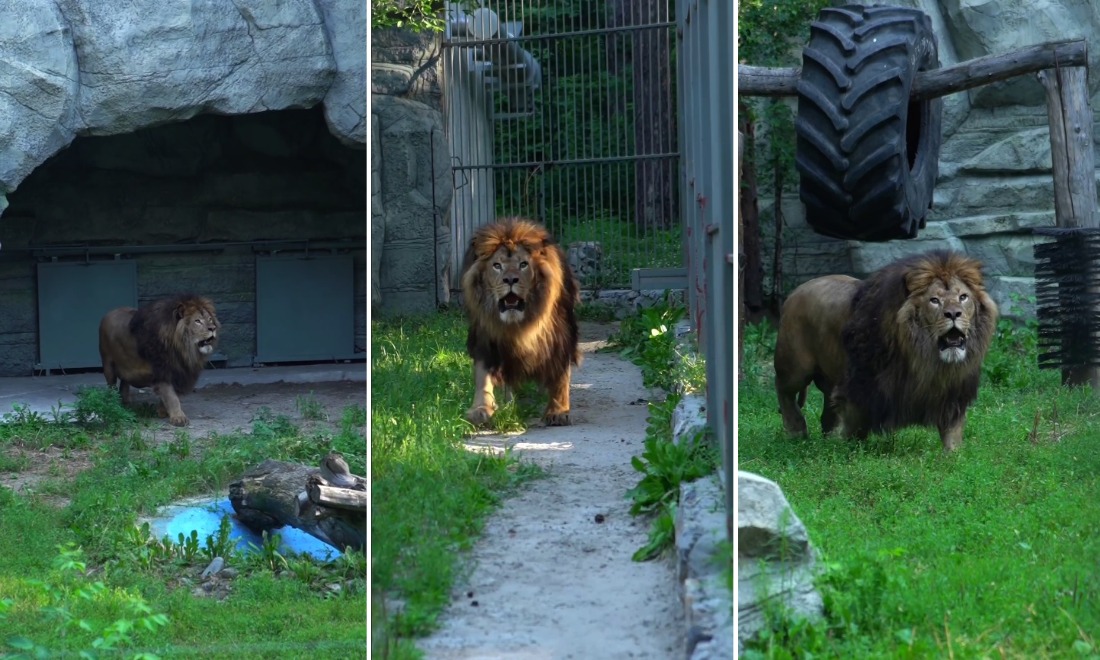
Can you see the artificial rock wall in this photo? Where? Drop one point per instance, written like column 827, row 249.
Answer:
column 411, row 175
column 995, row 182
column 110, row 140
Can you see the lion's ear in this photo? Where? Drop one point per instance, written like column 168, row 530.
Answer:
column 917, row 280
column 180, row 312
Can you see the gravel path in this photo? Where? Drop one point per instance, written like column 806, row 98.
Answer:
column 552, row 575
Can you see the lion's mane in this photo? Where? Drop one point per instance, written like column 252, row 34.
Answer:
column 160, row 331
column 894, row 377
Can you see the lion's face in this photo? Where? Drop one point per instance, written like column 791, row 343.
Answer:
column 945, row 310
column 200, row 326
column 509, row 278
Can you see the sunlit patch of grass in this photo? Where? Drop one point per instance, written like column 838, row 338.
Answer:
column 987, row 552
column 430, row 496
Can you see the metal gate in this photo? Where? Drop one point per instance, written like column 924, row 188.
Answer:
column 564, row 111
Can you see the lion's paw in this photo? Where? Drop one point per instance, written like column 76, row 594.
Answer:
column 178, row 420
column 557, row 419
column 479, row 416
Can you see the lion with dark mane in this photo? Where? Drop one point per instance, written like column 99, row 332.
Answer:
column 163, row 345
column 902, row 348
column 520, row 297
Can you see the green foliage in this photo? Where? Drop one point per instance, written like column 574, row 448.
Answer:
column 415, row 15
column 770, row 33
column 101, row 406
column 985, row 552
column 66, row 595
column 1014, row 350
column 648, row 340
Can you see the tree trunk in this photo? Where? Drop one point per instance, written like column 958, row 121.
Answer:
column 328, row 503
column 654, row 133
column 753, row 275
column 616, row 55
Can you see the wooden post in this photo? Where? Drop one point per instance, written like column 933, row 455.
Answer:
column 1074, row 165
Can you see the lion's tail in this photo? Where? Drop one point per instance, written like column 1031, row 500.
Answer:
column 800, row 398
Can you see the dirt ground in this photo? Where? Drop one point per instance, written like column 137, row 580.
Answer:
column 220, row 408
column 552, row 576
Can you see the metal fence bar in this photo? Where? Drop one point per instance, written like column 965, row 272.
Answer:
column 564, row 114
column 706, row 35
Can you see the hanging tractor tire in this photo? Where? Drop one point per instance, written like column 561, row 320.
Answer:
column 867, row 155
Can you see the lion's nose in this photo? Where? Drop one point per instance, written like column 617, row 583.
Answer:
column 510, row 280
column 953, row 314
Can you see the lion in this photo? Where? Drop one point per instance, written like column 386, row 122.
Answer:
column 164, row 344
column 520, row 296
column 903, row 348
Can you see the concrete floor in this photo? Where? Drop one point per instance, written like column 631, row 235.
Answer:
column 41, row 394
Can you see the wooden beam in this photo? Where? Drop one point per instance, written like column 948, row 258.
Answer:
column 765, row 81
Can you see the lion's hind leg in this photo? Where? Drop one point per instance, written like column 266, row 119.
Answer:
column 484, row 404
column 557, row 409
column 829, row 416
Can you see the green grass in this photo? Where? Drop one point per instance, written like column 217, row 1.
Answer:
column 625, row 247
column 989, row 552
column 82, row 563
column 430, row 496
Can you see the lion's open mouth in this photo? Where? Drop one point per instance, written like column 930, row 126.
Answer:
column 206, row 345
column 511, row 302
column 953, row 338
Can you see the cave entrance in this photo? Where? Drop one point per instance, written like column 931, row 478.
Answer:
column 263, row 213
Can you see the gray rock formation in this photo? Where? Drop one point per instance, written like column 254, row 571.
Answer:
column 995, row 182
column 775, row 561
column 84, row 67
column 411, row 201
column 700, row 553
column 415, row 196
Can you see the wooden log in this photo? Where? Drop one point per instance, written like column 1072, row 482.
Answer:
column 341, row 498
column 273, row 494
column 766, row 81
column 1074, row 165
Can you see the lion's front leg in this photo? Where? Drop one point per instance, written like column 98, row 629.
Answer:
column 557, row 410
column 171, row 404
column 484, row 402
column 952, row 434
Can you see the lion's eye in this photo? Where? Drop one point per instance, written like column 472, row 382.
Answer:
column 497, row 266
column 934, row 301
column 522, row 265
column 963, row 297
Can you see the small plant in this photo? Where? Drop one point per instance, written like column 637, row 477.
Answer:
column 21, row 414
column 101, row 407
column 267, row 554
column 662, row 534
column 305, row 570
column 180, row 445
column 220, row 544
column 665, row 465
column 189, row 546
column 310, row 408
column 647, row 340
